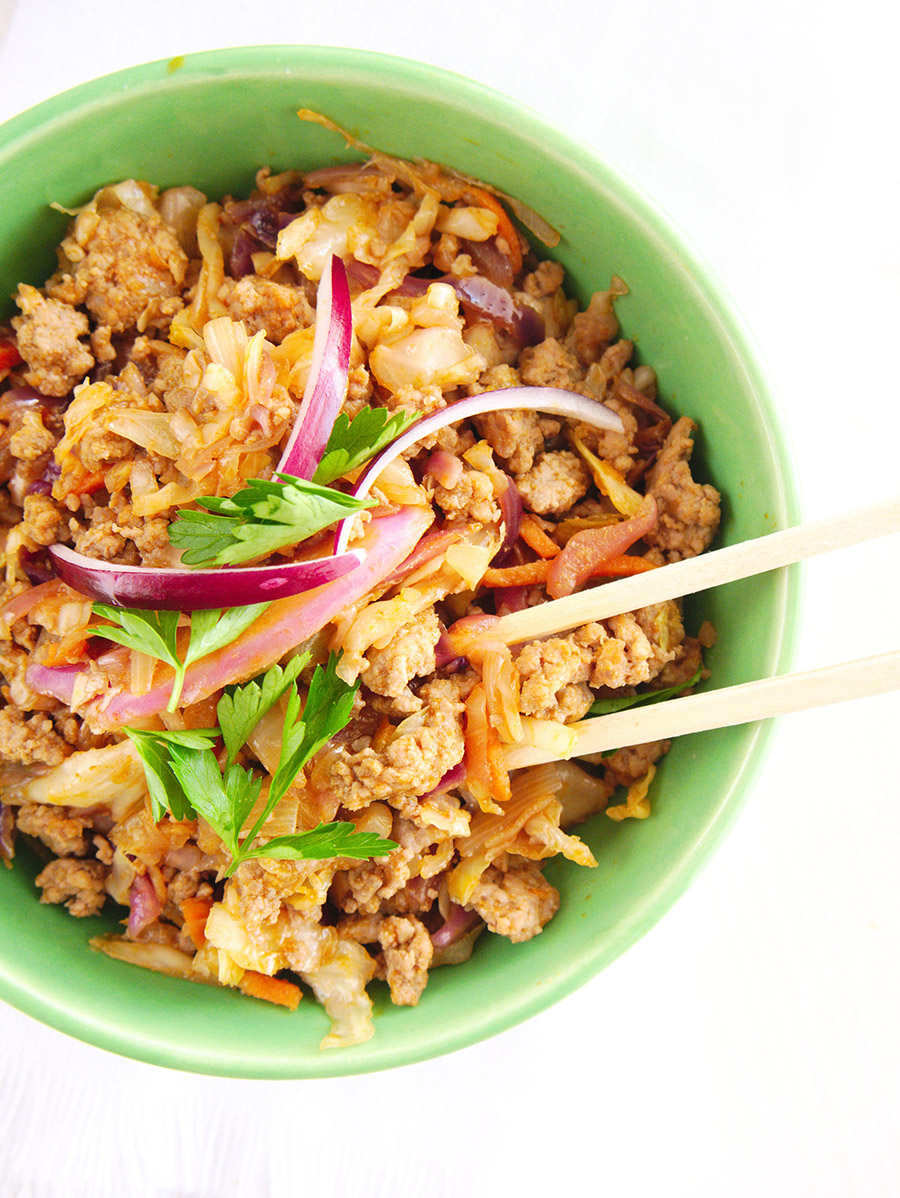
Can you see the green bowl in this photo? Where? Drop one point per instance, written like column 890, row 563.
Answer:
column 212, row 119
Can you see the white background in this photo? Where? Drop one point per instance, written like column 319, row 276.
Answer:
column 750, row 1044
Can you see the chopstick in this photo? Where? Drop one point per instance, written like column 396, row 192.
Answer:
column 742, row 704
column 756, row 556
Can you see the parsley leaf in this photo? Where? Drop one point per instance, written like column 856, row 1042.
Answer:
column 608, row 706
column 338, row 839
column 242, row 707
column 166, row 791
column 225, row 802
column 354, row 442
column 156, row 634
column 327, row 710
column 260, row 519
column 213, row 629
column 184, row 776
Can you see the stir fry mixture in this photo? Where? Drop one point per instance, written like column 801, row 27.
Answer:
column 271, row 470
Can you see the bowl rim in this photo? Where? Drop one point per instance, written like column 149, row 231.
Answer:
column 672, row 882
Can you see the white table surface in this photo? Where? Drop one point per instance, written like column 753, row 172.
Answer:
column 761, row 1052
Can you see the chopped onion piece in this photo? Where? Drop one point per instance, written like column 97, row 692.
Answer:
column 535, row 399
column 326, row 387
column 176, row 589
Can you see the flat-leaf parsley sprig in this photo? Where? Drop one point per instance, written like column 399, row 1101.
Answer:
column 156, row 634
column 185, row 778
column 260, row 519
column 354, row 442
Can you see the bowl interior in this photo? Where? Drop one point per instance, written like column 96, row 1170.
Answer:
column 211, row 120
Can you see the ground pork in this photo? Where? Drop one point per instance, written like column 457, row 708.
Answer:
column 30, row 741
column 410, row 765
column 131, row 272
column 77, row 884
column 406, row 952
column 367, row 886
column 598, row 325
column 61, row 829
column 616, row 653
column 688, row 511
column 516, row 903
column 409, row 655
column 48, row 335
column 628, row 765
column 262, row 304
column 554, row 483
column 470, row 499
column 544, row 280
column 42, row 519
column 549, row 364
column 617, row 448
column 514, row 436
column 32, row 439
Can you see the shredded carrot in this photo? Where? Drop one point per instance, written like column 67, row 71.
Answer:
column 623, row 565
column 78, row 482
column 66, row 651
column 274, row 990
column 505, row 228
column 535, row 537
column 486, row 775
column 525, row 575
column 9, row 355
column 196, row 912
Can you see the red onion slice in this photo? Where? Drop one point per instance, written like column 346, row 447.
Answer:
column 285, row 624
column 535, row 399
column 195, row 590
column 512, row 510
column 144, row 904
column 458, row 922
column 56, row 681
column 328, row 372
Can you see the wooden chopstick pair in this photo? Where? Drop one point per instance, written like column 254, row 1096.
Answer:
column 741, row 704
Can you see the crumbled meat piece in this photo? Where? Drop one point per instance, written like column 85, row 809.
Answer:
column 48, row 336
column 42, row 519
column 684, row 666
column 613, row 654
column 78, row 884
column 516, row 903
column 30, row 741
column 627, row 765
column 272, row 307
column 472, row 498
column 132, row 268
column 411, row 764
column 407, row 952
column 32, row 439
column 409, row 655
column 60, row 829
column 102, row 538
column 598, row 325
column 688, row 511
column 549, row 364
column 554, row 483
column 515, row 436
column 544, row 280
column 663, row 627
column 367, row 886
column 614, row 447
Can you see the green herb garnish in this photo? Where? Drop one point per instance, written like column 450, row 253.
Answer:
column 185, row 779
column 155, row 633
column 354, row 442
column 260, row 519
